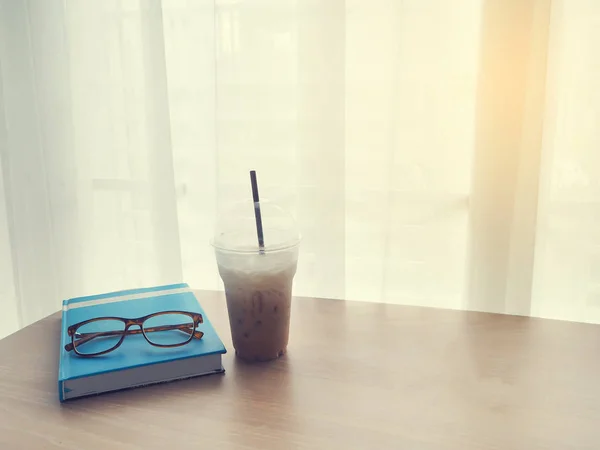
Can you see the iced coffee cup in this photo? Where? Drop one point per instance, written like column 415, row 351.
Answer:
column 258, row 280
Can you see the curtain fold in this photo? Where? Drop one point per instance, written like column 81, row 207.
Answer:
column 10, row 319
column 37, row 169
column 567, row 269
column 434, row 153
column 508, row 147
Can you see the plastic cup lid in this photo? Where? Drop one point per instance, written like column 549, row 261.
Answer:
column 236, row 228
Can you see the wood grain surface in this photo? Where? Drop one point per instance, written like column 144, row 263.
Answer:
column 357, row 376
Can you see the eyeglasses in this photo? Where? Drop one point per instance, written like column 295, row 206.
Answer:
column 101, row 335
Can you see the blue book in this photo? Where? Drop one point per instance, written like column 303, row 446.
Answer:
column 135, row 362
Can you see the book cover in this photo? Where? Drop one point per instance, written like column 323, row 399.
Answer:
column 135, row 362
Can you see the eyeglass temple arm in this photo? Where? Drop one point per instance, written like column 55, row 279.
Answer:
column 86, row 337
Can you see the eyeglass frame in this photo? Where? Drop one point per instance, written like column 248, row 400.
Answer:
column 139, row 321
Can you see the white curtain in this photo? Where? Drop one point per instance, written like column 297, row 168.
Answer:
column 438, row 153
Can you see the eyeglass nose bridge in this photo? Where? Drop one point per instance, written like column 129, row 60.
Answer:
column 130, row 329
column 131, row 323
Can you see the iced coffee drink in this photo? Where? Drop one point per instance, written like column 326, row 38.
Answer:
column 257, row 278
column 258, row 303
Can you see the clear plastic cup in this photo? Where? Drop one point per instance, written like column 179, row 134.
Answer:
column 258, row 284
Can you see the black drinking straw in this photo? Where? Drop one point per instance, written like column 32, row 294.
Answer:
column 259, row 228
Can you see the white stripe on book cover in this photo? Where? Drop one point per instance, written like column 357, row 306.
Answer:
column 121, row 298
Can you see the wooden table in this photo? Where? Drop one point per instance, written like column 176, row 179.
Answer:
column 357, row 376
